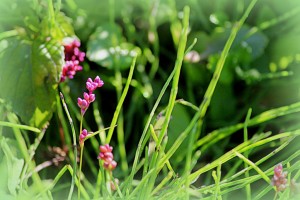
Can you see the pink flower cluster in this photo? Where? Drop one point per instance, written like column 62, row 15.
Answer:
column 89, row 97
column 73, row 57
column 107, row 156
column 279, row 179
column 82, row 136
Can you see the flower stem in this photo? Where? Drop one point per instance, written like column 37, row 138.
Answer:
column 80, row 166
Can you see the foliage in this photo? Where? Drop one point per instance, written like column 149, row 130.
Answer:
column 204, row 96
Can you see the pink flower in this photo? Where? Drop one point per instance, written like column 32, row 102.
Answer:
column 89, row 97
column 93, row 85
column 279, row 179
column 73, row 56
column 107, row 156
column 83, row 105
column 83, row 135
column 99, row 82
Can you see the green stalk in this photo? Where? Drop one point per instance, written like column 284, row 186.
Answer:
column 98, row 184
column 74, row 146
column 210, row 90
column 116, row 116
column 19, row 126
column 144, row 134
column 120, row 103
column 162, row 183
column 80, row 166
column 248, row 187
column 217, row 177
column 99, row 121
column 178, row 64
column 259, row 171
column 241, row 148
column 219, row 134
column 23, row 148
column 8, row 34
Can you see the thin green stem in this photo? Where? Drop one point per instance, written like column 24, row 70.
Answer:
column 178, row 64
column 219, row 134
column 23, row 148
column 80, row 167
column 162, row 183
column 248, row 187
column 19, row 126
column 217, row 177
column 74, row 146
column 263, row 175
column 241, row 148
column 210, row 90
column 120, row 103
column 144, row 134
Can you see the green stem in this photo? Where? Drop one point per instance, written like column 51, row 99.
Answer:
column 210, row 90
column 23, row 148
column 19, row 126
column 144, row 134
column 74, row 146
column 120, row 103
column 80, row 166
column 263, row 175
column 248, row 187
column 178, row 64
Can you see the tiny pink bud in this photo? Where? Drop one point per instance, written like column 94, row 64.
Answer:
column 102, row 149
column 98, row 81
column 108, row 155
column 112, row 184
column 83, row 135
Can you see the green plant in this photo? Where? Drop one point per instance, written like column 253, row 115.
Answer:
column 201, row 100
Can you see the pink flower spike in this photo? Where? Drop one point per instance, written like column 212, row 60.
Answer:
column 107, row 156
column 83, row 135
column 89, row 97
column 90, row 86
column 279, row 179
column 105, row 148
column 73, row 56
column 98, row 81
column 110, row 165
column 83, row 104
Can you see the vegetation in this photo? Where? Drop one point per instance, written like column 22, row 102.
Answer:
column 143, row 99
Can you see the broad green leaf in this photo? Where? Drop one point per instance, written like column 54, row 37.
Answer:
column 107, row 48
column 31, row 62
column 17, row 13
column 29, row 73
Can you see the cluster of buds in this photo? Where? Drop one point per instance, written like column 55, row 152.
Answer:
column 107, row 156
column 82, row 136
column 279, row 179
column 89, row 97
column 73, row 57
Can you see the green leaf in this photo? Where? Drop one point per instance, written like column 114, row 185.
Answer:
column 17, row 13
column 30, row 73
column 10, row 163
column 255, row 43
column 107, row 48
